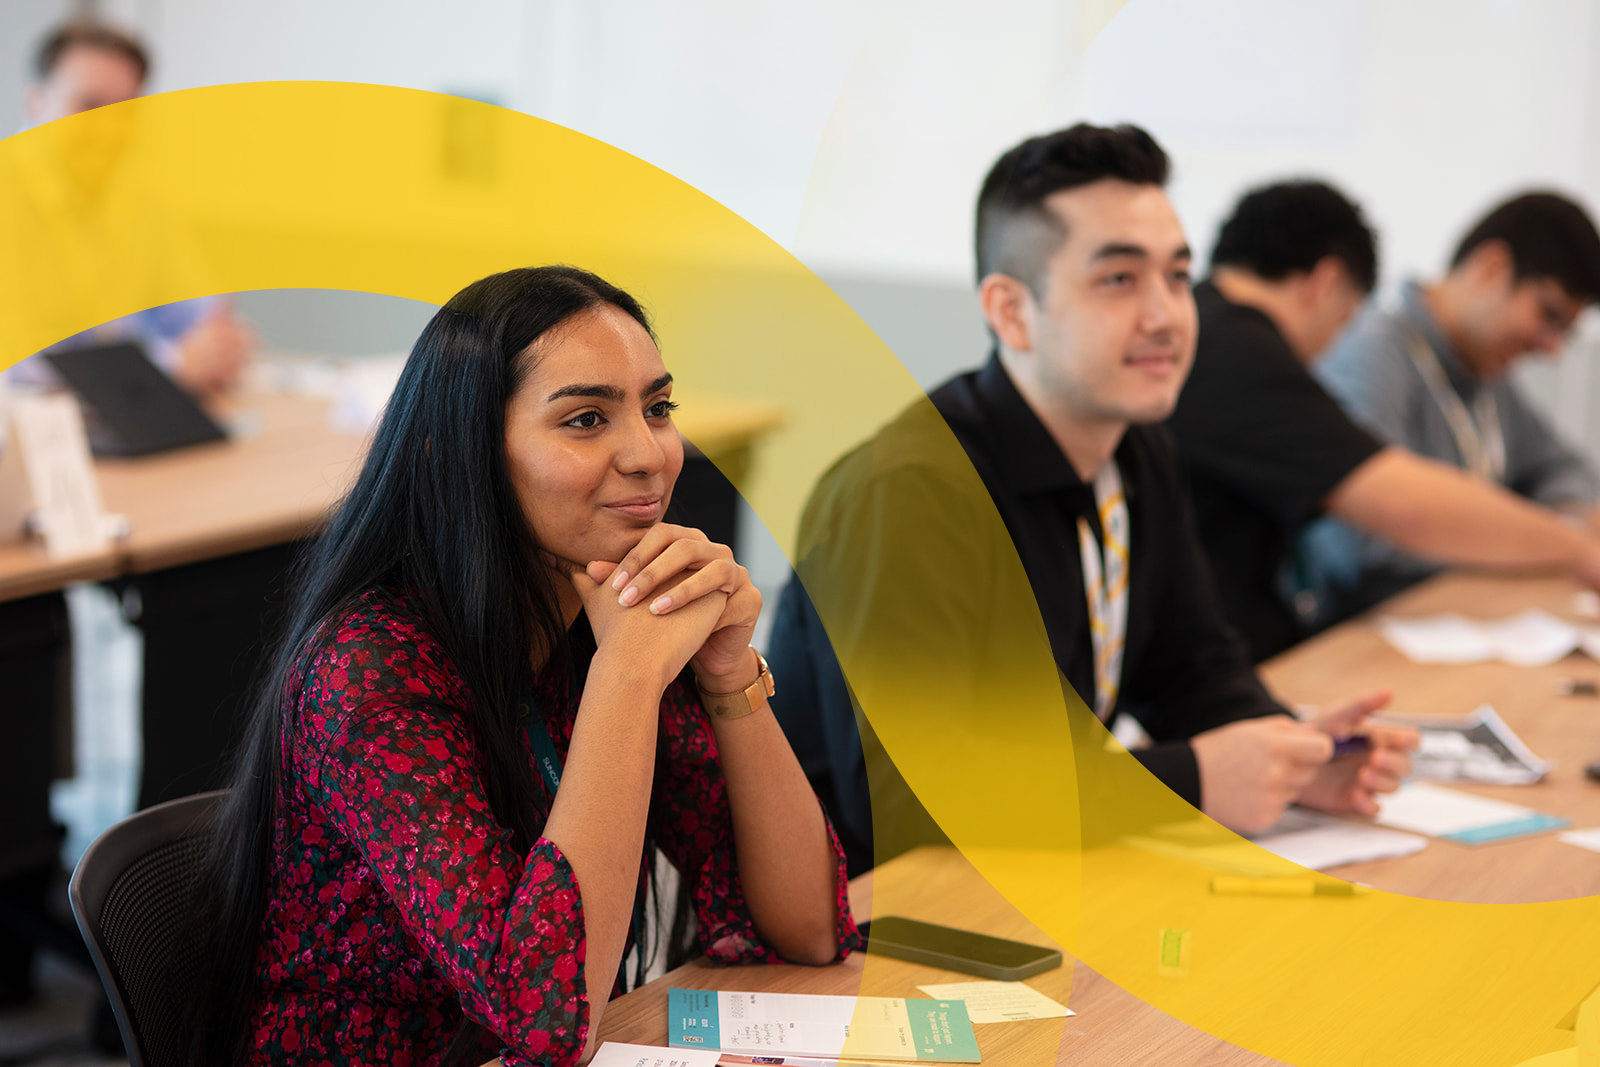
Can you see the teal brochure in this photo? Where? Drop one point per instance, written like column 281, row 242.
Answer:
column 794, row 1024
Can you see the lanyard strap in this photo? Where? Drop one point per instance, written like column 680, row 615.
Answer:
column 549, row 761
column 1478, row 435
column 1105, row 582
column 544, row 749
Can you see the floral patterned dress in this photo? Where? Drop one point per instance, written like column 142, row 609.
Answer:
column 397, row 902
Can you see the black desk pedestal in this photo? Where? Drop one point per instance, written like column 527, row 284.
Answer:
column 206, row 627
column 35, row 642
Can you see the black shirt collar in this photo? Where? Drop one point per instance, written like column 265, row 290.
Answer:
column 1029, row 460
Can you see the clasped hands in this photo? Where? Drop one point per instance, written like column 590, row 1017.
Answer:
column 1251, row 770
column 675, row 598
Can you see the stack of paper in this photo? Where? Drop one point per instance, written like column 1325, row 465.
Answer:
column 1461, row 817
column 1531, row 639
column 792, row 1024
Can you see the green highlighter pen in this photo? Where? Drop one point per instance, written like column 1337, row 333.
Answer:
column 1284, row 887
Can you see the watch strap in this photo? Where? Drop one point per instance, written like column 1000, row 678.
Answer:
column 741, row 702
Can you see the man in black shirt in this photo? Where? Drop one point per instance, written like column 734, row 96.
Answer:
column 1267, row 450
column 1083, row 272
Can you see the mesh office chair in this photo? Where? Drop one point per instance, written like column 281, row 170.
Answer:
column 133, row 894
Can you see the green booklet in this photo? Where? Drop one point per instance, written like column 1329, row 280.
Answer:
column 793, row 1024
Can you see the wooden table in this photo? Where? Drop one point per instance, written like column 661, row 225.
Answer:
column 272, row 483
column 26, row 571
column 1114, row 1028
column 1354, row 658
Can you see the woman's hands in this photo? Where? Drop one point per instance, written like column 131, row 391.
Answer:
column 675, row 571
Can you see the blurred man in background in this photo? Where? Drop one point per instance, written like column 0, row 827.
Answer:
column 1428, row 372
column 202, row 343
column 1267, row 450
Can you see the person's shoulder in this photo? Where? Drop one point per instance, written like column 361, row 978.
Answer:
column 1378, row 334
column 1231, row 333
column 375, row 646
column 923, row 442
column 917, row 471
column 376, row 617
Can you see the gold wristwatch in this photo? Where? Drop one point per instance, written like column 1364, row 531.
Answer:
column 740, row 702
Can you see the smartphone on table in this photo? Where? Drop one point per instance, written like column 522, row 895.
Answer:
column 957, row 950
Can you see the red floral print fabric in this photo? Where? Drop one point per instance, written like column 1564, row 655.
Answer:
column 397, row 903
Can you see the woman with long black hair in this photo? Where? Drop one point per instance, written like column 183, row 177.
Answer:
column 505, row 683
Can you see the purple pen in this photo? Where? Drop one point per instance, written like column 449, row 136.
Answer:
column 1349, row 746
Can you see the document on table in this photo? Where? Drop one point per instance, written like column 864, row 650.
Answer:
column 1461, row 817
column 1532, row 639
column 999, row 1002
column 616, row 1054
column 1589, row 839
column 1301, row 839
column 1320, row 841
column 1477, row 748
column 794, row 1024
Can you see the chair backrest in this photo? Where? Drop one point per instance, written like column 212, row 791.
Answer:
column 134, row 896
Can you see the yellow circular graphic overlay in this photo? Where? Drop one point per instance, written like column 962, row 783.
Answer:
column 385, row 190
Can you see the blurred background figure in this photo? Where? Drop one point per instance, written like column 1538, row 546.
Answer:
column 1268, row 451
column 1428, row 372
column 203, row 344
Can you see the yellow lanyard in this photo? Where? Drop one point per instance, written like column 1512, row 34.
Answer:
column 1105, row 583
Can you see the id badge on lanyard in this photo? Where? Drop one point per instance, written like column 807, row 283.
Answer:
column 1105, row 582
column 549, row 761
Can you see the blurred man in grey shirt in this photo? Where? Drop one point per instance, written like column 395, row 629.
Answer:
column 1427, row 371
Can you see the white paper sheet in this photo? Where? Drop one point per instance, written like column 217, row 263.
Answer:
column 616, row 1054
column 1302, row 838
column 1428, row 809
column 1589, row 839
column 1532, row 639
column 999, row 1002
column 1438, row 639
column 1338, row 842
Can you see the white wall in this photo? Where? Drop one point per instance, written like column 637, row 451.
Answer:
column 856, row 133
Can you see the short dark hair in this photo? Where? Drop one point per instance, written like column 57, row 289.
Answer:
column 1549, row 236
column 1289, row 227
column 87, row 33
column 1015, row 233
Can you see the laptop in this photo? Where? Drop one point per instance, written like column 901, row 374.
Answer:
column 137, row 409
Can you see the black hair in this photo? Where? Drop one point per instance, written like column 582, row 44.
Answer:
column 1549, row 236
column 1289, row 227
column 1015, row 233
column 87, row 33
column 432, row 511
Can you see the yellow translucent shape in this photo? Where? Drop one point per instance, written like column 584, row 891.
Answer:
column 385, row 190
